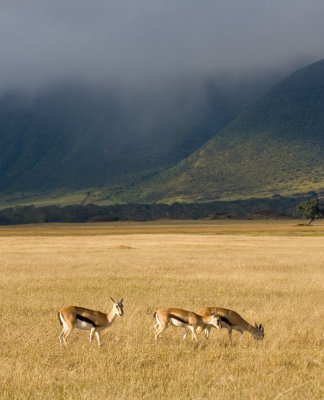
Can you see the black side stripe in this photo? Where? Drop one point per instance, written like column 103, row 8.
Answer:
column 178, row 318
column 223, row 319
column 85, row 319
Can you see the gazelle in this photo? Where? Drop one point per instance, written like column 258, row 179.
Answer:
column 231, row 320
column 82, row 318
column 185, row 319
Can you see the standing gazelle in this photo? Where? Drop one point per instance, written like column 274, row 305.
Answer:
column 82, row 318
column 185, row 319
column 231, row 320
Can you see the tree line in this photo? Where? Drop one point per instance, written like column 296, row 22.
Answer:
column 274, row 207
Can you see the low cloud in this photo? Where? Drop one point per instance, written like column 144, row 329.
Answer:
column 134, row 43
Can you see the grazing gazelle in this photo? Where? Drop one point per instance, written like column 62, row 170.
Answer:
column 185, row 319
column 82, row 318
column 231, row 320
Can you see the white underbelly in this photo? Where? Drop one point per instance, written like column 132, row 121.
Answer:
column 176, row 322
column 82, row 325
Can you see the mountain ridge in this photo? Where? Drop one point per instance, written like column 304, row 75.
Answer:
column 275, row 146
column 70, row 139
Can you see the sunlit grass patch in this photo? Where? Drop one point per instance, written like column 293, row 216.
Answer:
column 276, row 281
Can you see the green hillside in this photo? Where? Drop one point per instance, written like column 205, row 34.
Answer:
column 62, row 142
column 275, row 147
column 80, row 145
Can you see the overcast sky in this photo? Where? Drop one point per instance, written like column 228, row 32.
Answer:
column 138, row 41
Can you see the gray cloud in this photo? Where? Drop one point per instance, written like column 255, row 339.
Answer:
column 137, row 41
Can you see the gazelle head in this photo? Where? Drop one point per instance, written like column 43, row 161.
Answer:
column 118, row 307
column 258, row 332
column 216, row 321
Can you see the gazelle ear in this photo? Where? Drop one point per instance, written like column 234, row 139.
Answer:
column 121, row 301
column 112, row 299
column 256, row 325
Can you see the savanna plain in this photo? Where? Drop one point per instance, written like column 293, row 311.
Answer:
column 270, row 272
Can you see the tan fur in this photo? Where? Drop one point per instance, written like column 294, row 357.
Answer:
column 99, row 320
column 187, row 319
column 236, row 322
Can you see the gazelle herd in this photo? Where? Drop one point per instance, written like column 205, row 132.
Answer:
column 95, row 321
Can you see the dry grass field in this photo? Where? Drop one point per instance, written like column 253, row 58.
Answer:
column 271, row 273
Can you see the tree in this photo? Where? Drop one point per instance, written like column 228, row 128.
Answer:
column 311, row 209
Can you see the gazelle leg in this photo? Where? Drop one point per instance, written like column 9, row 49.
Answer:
column 229, row 331
column 62, row 335
column 92, row 331
column 98, row 337
column 156, row 324
column 207, row 331
column 159, row 331
column 193, row 332
column 185, row 333
column 241, row 332
column 65, row 328
column 198, row 330
column 67, row 334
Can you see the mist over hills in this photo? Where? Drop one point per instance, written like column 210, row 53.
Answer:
column 276, row 146
column 77, row 137
column 223, row 140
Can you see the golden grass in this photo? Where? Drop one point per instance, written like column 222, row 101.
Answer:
column 270, row 278
column 203, row 227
